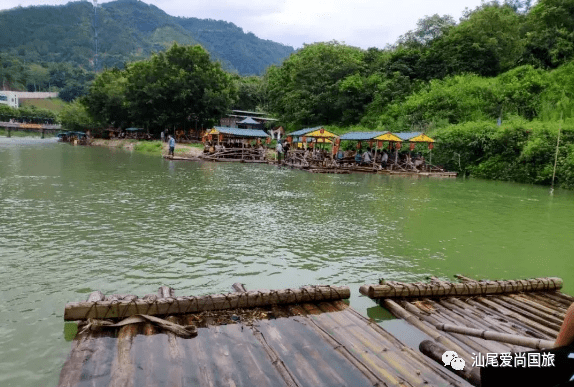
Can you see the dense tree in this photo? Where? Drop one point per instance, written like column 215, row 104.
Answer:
column 174, row 86
column 487, row 43
column 428, row 29
column 306, row 88
column 551, row 33
column 74, row 116
column 106, row 99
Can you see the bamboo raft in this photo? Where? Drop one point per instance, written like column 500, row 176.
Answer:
column 477, row 316
column 291, row 337
column 236, row 154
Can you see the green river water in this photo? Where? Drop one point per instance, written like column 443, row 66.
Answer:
column 78, row 219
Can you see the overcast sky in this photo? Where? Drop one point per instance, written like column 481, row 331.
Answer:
column 361, row 23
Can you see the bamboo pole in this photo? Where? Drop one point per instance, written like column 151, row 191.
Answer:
column 151, row 358
column 348, row 347
column 535, row 308
column 97, row 369
column 460, row 289
column 361, row 334
column 228, row 370
column 560, row 297
column 505, row 313
column 446, row 315
column 433, row 322
column 556, row 155
column 287, row 337
column 198, row 350
column 483, row 320
column 435, row 352
column 175, row 354
column 505, row 323
column 71, row 373
column 123, row 369
column 253, row 365
column 288, row 377
column 183, row 305
column 398, row 311
column 549, row 302
column 409, row 352
column 497, row 336
column 531, row 315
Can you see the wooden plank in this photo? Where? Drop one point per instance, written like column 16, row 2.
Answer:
column 184, row 305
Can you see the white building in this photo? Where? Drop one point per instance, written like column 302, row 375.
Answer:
column 9, row 98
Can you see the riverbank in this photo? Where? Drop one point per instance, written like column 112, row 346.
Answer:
column 188, row 151
column 153, row 147
column 23, row 133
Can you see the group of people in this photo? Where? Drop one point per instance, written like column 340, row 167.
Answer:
column 368, row 157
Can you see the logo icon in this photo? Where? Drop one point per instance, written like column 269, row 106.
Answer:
column 451, row 358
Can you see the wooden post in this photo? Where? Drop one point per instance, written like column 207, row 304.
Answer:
column 375, row 154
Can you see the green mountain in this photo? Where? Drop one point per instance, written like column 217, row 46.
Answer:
column 127, row 30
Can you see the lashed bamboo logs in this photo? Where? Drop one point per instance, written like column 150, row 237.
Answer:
column 539, row 324
column 182, row 305
column 398, row 311
column 435, row 352
column 460, row 289
column 497, row 336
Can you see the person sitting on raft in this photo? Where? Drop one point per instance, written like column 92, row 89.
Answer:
column 384, row 159
column 367, row 156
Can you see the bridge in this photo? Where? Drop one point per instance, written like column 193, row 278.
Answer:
column 43, row 128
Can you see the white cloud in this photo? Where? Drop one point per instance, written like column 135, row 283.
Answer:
column 362, row 23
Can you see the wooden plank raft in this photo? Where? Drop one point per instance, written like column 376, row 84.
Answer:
column 315, row 343
column 471, row 316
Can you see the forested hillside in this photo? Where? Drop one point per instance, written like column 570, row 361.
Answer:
column 128, row 30
column 494, row 88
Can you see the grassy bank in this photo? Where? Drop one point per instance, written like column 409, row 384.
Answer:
column 150, row 147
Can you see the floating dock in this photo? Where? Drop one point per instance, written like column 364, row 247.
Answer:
column 291, row 337
column 474, row 317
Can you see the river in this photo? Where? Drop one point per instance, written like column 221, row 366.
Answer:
column 78, row 219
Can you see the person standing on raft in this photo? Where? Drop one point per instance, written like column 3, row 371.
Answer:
column 279, row 149
column 171, row 143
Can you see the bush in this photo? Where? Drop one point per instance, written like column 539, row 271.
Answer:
column 149, row 147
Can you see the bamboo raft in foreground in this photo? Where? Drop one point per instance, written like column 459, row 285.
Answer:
column 290, row 337
column 473, row 317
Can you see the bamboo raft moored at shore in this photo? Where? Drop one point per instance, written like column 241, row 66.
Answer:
column 291, row 337
column 474, row 317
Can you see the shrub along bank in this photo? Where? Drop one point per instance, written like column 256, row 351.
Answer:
column 519, row 150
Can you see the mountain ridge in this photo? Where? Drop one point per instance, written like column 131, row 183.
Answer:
column 128, row 30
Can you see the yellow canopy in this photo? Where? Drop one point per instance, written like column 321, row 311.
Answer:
column 317, row 133
column 421, row 138
column 388, row 137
